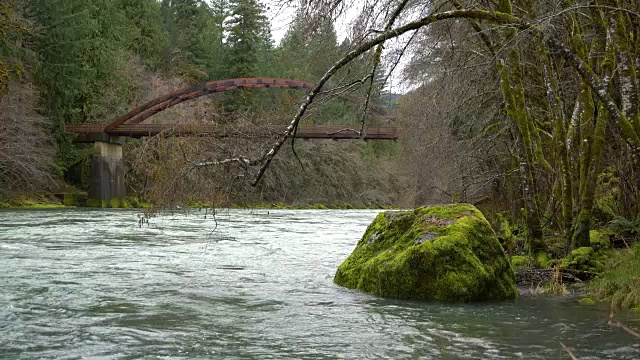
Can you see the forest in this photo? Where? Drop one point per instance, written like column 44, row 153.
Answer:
column 527, row 109
column 88, row 62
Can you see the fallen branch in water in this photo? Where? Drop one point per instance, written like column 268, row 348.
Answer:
column 566, row 348
column 613, row 322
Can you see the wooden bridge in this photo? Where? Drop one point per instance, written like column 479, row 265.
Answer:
column 92, row 132
column 107, row 171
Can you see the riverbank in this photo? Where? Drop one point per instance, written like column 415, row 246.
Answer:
column 32, row 203
column 80, row 199
column 620, row 282
column 613, row 276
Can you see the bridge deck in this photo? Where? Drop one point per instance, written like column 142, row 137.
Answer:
column 90, row 132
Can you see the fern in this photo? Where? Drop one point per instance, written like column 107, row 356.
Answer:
column 623, row 226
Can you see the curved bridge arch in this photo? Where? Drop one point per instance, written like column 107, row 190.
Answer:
column 164, row 102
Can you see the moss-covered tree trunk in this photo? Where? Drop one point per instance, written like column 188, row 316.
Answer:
column 512, row 88
column 591, row 156
column 560, row 141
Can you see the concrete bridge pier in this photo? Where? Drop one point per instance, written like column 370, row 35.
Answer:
column 107, row 188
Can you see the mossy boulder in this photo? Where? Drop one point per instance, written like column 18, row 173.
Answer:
column 444, row 253
column 587, row 301
column 600, row 239
column 521, row 261
column 584, row 263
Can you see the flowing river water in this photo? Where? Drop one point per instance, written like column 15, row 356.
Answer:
column 248, row 284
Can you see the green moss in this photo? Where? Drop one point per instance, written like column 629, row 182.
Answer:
column 447, row 253
column 94, row 203
column 607, row 192
column 319, row 207
column 518, row 261
column 134, row 202
column 583, row 252
column 69, row 200
column 41, row 203
column 556, row 245
column 41, row 206
column 585, row 263
column 543, row 261
column 587, row 301
column 605, row 208
column 115, row 203
column 75, row 199
column 505, row 233
column 600, row 239
column 341, row 205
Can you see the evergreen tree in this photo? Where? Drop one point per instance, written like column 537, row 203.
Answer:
column 83, row 44
column 195, row 38
column 248, row 50
column 308, row 48
column 12, row 31
column 248, row 37
column 307, row 51
column 145, row 27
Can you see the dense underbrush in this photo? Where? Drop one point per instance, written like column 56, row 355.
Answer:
column 620, row 281
column 607, row 270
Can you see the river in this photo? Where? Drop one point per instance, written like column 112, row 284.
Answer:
column 86, row 283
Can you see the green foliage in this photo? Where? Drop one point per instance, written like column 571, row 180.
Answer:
column 620, row 282
column 248, row 48
column 623, row 227
column 114, row 203
column 248, row 37
column 194, row 48
column 81, row 46
column 308, row 49
column 96, row 60
column 374, row 150
column 445, row 253
column 13, row 56
column 147, row 35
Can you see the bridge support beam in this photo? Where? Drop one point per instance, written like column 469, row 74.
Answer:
column 107, row 188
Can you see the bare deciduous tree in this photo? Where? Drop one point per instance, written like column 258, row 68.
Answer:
column 26, row 148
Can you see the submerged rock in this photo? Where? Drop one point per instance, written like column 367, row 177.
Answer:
column 445, row 253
